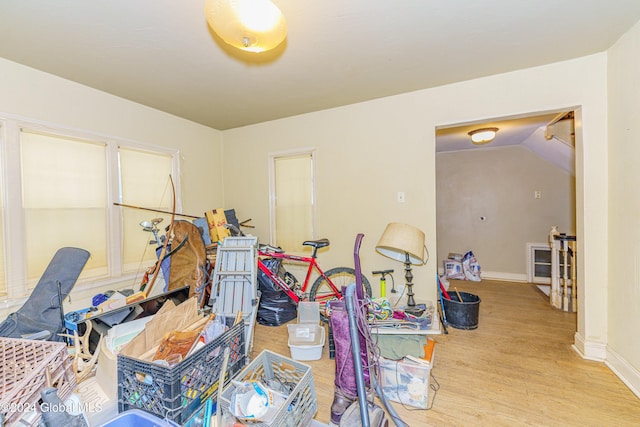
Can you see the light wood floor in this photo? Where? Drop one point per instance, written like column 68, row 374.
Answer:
column 517, row 368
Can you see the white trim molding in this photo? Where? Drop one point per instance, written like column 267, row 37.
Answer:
column 590, row 350
column 623, row 370
column 510, row 277
column 495, row 275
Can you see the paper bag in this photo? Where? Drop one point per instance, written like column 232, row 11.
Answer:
column 169, row 318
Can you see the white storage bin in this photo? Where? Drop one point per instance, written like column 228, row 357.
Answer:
column 306, row 341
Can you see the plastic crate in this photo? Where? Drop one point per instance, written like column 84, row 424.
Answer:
column 301, row 404
column 176, row 393
column 27, row 368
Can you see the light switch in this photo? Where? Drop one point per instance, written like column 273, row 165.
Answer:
column 400, row 196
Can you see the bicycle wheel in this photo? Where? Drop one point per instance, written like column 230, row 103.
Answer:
column 340, row 276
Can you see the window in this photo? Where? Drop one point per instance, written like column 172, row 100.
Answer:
column 64, row 200
column 62, row 193
column 144, row 182
column 292, row 199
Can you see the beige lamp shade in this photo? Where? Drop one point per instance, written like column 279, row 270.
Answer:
column 401, row 239
column 251, row 25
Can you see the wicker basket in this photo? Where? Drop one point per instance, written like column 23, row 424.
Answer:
column 26, row 368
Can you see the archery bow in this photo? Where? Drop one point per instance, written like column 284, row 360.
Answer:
column 149, row 286
column 147, row 289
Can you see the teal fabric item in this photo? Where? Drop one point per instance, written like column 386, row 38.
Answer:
column 396, row 347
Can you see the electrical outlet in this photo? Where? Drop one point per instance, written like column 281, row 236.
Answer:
column 400, row 196
column 537, row 194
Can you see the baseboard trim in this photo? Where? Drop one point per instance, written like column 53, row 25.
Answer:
column 494, row 275
column 509, row 277
column 623, row 369
column 589, row 350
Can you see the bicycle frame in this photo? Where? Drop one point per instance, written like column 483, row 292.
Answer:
column 312, row 265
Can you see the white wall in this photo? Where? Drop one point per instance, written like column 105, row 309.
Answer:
column 31, row 94
column 369, row 151
column 623, row 349
column 498, row 184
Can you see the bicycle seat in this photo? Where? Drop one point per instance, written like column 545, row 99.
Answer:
column 321, row 243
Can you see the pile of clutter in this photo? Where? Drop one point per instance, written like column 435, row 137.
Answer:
column 462, row 267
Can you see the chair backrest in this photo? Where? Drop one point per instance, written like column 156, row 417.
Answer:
column 43, row 309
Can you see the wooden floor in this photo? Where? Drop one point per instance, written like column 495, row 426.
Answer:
column 516, row 368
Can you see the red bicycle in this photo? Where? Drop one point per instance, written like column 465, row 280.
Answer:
column 326, row 287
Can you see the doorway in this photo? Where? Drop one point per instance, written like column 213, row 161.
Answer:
column 499, row 198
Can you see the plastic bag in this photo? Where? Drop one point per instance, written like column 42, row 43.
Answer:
column 275, row 307
column 453, row 269
column 265, row 284
column 215, row 328
column 253, row 401
column 471, row 267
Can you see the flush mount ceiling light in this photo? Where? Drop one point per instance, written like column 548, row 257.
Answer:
column 251, row 25
column 483, row 136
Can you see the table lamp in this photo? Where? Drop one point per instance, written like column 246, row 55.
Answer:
column 405, row 244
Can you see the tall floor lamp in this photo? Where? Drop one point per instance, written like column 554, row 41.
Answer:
column 404, row 243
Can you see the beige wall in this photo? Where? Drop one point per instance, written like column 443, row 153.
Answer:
column 30, row 94
column 368, row 152
column 623, row 344
column 498, row 184
column 359, row 153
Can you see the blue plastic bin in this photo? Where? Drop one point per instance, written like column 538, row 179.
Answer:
column 138, row 418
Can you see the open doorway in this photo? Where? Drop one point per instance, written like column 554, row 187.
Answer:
column 501, row 198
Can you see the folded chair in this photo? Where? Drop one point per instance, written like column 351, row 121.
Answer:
column 42, row 314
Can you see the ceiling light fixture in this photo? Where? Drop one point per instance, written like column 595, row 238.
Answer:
column 483, row 136
column 251, row 25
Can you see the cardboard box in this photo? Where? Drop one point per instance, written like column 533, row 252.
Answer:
column 216, row 220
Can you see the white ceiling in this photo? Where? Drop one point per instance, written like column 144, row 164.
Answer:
column 529, row 132
column 161, row 53
column 510, row 131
